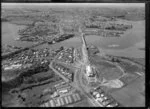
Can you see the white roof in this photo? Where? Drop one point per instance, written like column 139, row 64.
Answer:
column 98, row 95
column 12, row 66
column 94, row 93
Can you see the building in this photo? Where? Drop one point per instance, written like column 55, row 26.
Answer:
column 61, row 101
column 63, row 91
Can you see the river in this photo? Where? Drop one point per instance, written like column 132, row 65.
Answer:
column 10, row 33
column 128, row 45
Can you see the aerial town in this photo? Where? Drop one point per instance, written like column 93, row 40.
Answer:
column 51, row 62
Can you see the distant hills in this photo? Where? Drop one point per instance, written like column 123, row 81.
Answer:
column 125, row 11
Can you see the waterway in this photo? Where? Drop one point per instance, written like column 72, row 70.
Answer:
column 10, row 33
column 128, row 45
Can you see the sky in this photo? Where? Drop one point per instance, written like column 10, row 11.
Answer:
column 77, row 4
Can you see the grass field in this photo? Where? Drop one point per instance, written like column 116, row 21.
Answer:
column 106, row 70
column 130, row 96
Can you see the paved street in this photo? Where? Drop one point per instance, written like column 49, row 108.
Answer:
column 77, row 83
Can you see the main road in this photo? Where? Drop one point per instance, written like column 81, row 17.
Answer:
column 78, row 82
column 82, row 87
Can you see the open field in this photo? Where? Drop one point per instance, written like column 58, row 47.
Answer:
column 131, row 94
column 110, row 73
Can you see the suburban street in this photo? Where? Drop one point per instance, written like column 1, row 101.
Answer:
column 77, row 83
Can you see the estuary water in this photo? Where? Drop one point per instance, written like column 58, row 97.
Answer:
column 10, row 33
column 128, row 45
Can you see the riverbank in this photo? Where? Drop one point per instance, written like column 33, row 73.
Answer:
column 126, row 43
column 4, row 56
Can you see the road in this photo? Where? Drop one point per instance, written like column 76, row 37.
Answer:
column 51, row 66
column 82, row 87
column 77, row 83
